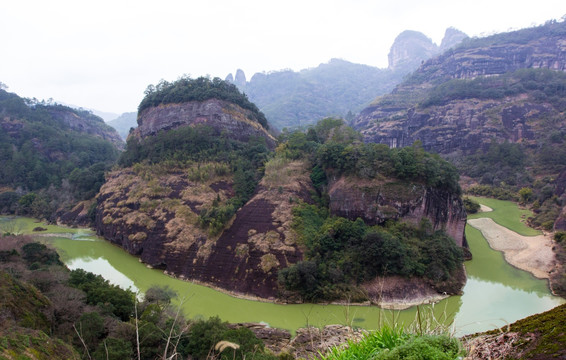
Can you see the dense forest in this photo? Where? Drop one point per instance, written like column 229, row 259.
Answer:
column 46, row 163
column 52, row 312
column 338, row 88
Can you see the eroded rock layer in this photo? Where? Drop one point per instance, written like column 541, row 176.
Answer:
column 154, row 214
column 376, row 201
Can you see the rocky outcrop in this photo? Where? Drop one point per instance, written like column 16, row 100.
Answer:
column 85, row 122
column 452, row 37
column 460, row 125
column 409, row 50
column 307, row 343
column 79, row 215
column 240, row 79
column 221, row 115
column 376, row 201
column 412, row 48
column 154, row 215
column 468, row 122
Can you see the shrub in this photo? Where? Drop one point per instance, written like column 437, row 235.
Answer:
column 471, row 206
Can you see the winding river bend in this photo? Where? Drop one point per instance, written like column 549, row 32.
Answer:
column 496, row 294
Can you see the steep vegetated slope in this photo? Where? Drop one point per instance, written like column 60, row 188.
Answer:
column 52, row 155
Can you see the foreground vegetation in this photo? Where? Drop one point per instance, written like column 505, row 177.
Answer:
column 394, row 343
column 48, row 312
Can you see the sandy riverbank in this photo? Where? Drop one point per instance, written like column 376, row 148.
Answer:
column 530, row 253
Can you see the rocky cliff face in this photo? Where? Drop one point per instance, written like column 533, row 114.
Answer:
column 468, row 123
column 87, row 123
column 376, row 201
column 412, row 48
column 452, row 37
column 219, row 114
column 409, row 49
column 461, row 125
column 153, row 214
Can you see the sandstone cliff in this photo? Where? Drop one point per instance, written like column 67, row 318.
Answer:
column 376, row 201
column 222, row 115
column 411, row 48
column 469, row 122
column 153, row 213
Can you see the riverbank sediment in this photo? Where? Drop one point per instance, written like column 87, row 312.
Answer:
column 530, row 253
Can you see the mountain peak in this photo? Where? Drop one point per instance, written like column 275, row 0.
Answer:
column 410, row 49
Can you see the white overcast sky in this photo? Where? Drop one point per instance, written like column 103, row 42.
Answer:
column 102, row 54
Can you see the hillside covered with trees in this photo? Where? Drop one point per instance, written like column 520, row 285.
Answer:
column 52, row 155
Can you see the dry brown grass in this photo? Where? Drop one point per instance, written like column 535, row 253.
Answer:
column 268, row 262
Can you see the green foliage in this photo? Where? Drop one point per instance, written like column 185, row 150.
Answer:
column 39, row 255
column 430, row 347
column 91, row 329
column 560, row 236
column 160, row 294
column 500, row 193
column 377, row 160
column 205, row 334
column 501, row 164
column 394, row 343
column 546, row 214
column 471, row 206
column 46, row 150
column 114, row 349
column 186, row 89
column 340, row 252
column 100, row 292
column 525, row 195
column 214, row 155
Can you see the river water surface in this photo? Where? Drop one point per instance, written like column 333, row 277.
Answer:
column 496, row 294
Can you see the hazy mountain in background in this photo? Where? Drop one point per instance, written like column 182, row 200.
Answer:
column 124, row 123
column 338, row 88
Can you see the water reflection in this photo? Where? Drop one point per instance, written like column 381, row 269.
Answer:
column 102, row 267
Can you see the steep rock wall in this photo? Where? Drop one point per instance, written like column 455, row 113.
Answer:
column 376, row 201
column 156, row 218
column 401, row 117
column 219, row 114
column 466, row 125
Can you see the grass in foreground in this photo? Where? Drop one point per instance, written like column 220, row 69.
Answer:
column 507, row 214
column 391, row 343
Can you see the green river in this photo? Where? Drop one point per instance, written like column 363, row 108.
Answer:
column 495, row 294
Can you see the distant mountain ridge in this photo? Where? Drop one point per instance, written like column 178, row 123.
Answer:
column 338, row 88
